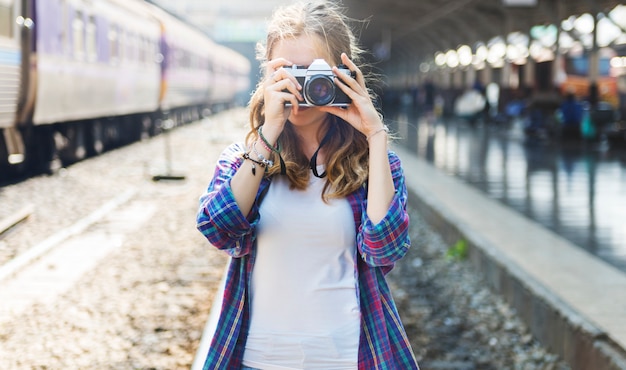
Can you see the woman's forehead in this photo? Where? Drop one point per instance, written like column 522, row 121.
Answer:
column 301, row 50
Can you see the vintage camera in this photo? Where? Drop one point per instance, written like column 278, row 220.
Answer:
column 318, row 86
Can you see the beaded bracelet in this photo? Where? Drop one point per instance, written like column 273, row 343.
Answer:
column 275, row 149
column 384, row 128
column 266, row 144
column 254, row 163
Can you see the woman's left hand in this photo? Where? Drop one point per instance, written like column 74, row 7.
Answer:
column 361, row 113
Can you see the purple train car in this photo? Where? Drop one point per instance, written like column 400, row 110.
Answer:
column 82, row 76
column 12, row 25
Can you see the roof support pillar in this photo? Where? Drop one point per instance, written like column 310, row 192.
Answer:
column 557, row 65
column 470, row 76
column 487, row 74
column 505, row 78
column 594, row 59
column 529, row 73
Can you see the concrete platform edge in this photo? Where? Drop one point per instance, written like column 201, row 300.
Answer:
column 553, row 322
column 211, row 324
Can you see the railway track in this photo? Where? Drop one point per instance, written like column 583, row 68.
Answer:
column 38, row 251
column 110, row 258
column 12, row 221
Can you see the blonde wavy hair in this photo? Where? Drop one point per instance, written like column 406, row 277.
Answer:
column 347, row 150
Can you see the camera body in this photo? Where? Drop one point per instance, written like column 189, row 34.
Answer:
column 318, row 85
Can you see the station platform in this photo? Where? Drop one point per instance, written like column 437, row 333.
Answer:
column 573, row 302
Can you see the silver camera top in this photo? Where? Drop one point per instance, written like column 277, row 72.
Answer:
column 318, row 84
column 317, row 67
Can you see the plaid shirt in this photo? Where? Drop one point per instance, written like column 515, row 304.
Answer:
column 383, row 343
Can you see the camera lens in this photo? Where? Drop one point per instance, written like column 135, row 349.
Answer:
column 320, row 90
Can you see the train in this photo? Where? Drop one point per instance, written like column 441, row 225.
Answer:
column 79, row 77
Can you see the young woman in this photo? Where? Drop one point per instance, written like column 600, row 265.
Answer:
column 312, row 210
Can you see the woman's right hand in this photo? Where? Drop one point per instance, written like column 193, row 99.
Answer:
column 280, row 87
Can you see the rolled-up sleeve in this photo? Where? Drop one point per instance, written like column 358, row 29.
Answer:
column 386, row 242
column 219, row 217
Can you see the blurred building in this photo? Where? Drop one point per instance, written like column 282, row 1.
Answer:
column 227, row 21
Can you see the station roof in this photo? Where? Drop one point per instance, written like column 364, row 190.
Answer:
column 419, row 28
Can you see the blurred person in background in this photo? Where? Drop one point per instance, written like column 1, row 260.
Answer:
column 571, row 114
column 429, row 92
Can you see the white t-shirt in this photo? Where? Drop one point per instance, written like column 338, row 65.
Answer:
column 304, row 308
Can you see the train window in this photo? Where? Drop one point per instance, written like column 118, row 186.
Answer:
column 121, row 44
column 143, row 50
column 137, row 47
column 78, row 28
column 186, row 59
column 127, row 46
column 63, row 32
column 151, row 52
column 91, row 37
column 131, row 47
column 176, row 58
column 114, row 44
column 6, row 25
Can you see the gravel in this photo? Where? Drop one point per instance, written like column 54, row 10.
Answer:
column 453, row 320
column 145, row 305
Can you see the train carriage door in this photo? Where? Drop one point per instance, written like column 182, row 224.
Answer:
column 164, row 58
column 8, row 13
column 78, row 36
column 12, row 21
column 91, row 39
column 10, row 60
column 26, row 97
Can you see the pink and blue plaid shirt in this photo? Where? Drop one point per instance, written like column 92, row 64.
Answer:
column 383, row 343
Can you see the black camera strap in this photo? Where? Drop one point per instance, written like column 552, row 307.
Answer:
column 313, row 163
